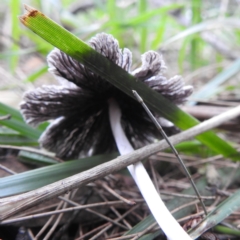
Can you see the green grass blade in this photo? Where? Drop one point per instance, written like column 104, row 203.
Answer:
column 5, row 54
column 74, row 47
column 17, row 123
column 15, row 8
column 195, row 44
column 142, row 8
column 227, row 230
column 36, row 158
column 144, row 17
column 196, row 11
column 223, row 210
column 5, row 109
column 111, row 8
column 194, row 147
column 160, row 31
column 183, row 51
column 13, row 138
column 34, row 76
column 22, row 128
column 203, row 26
column 37, row 178
column 212, row 86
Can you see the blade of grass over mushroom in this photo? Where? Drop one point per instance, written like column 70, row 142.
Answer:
column 222, row 211
column 74, row 47
column 36, row 178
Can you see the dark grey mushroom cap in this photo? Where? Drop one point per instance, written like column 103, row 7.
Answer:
column 78, row 108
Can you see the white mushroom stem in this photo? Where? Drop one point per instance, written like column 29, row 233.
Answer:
column 166, row 221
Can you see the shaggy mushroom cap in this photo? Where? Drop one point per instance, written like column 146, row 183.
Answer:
column 79, row 107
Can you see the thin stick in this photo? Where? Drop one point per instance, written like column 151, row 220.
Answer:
column 56, row 222
column 115, row 211
column 95, row 212
column 162, row 215
column 45, row 214
column 14, row 204
column 33, row 150
column 46, row 225
column 114, row 193
column 171, row 146
column 7, row 169
column 92, row 231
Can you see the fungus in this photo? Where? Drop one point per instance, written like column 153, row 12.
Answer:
column 91, row 116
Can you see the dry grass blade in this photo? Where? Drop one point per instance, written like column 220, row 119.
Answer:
column 61, row 211
column 117, row 195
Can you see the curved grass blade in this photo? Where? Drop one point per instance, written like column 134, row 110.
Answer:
column 36, row 158
column 227, row 230
column 144, row 17
column 4, row 110
column 204, row 26
column 183, row 51
column 22, row 128
column 160, row 31
column 36, row 74
column 211, row 87
column 143, row 31
column 17, row 123
column 13, row 138
column 15, row 10
column 222, row 211
column 5, row 54
column 74, row 47
column 37, row 178
column 17, row 140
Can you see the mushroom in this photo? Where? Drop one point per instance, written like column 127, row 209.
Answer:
column 91, row 116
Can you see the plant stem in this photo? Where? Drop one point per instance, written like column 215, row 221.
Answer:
column 166, row 221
